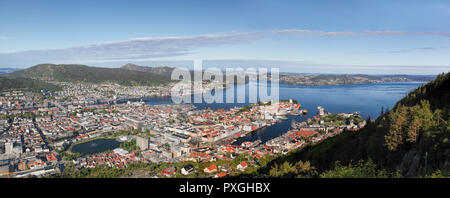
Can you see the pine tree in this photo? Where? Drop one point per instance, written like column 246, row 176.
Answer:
column 397, row 119
column 414, row 124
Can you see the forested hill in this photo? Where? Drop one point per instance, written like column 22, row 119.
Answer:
column 167, row 71
column 411, row 140
column 26, row 84
column 82, row 73
column 163, row 71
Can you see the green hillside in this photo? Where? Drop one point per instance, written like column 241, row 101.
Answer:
column 82, row 73
column 163, row 71
column 411, row 140
column 26, row 84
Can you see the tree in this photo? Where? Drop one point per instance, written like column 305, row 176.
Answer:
column 129, row 146
column 397, row 119
column 283, row 170
column 413, row 130
column 426, row 115
column 414, row 124
column 360, row 170
column 166, row 145
column 147, row 132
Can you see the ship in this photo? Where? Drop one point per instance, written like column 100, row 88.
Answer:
column 248, row 144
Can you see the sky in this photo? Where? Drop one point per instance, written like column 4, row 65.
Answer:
column 371, row 37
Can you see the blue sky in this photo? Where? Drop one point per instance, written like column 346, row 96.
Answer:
column 411, row 37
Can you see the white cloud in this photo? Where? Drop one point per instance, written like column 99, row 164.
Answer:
column 147, row 47
column 160, row 47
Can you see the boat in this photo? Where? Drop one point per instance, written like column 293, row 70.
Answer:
column 294, row 124
column 304, row 112
column 256, row 143
column 282, row 118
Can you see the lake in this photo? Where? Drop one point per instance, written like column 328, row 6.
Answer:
column 95, row 146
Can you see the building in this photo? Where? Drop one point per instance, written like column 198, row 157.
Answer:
column 187, row 169
column 242, row 166
column 321, row 110
column 13, row 150
column 210, row 169
column 169, row 172
column 120, row 151
column 142, row 143
column 220, row 175
column 8, row 148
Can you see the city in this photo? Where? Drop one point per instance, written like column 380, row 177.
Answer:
column 224, row 97
column 39, row 129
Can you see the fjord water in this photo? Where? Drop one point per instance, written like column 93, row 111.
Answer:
column 368, row 99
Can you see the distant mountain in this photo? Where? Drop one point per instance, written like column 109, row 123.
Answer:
column 6, row 70
column 26, row 84
column 163, row 71
column 341, row 79
column 83, row 73
column 421, row 78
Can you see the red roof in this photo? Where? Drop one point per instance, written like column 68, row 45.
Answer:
column 221, row 174
column 302, row 134
column 51, row 157
column 212, row 167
